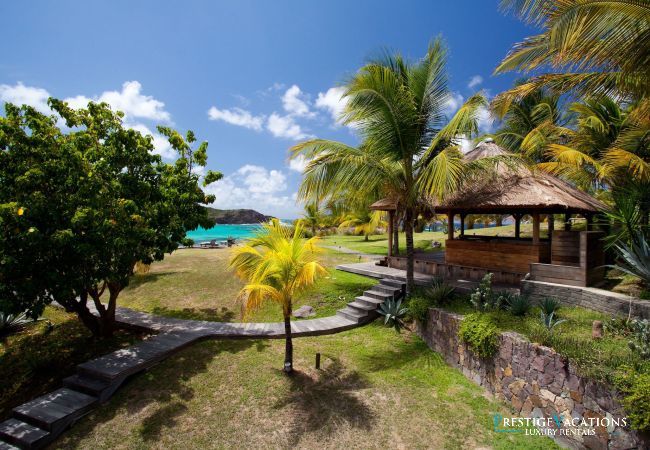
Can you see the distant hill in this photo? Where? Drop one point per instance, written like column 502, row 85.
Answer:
column 236, row 216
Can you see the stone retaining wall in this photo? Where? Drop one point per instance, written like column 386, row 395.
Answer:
column 587, row 297
column 535, row 380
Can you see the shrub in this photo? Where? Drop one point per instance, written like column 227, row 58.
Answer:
column 618, row 326
column 635, row 387
column 483, row 299
column 549, row 305
column 418, row 308
column 480, row 335
column 440, row 293
column 634, row 258
column 518, row 305
column 640, row 342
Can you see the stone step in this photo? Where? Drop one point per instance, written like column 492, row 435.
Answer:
column 394, row 283
column 88, row 385
column 23, row 435
column 353, row 314
column 55, row 411
column 369, row 301
column 394, row 291
column 6, row 446
column 362, row 306
column 379, row 295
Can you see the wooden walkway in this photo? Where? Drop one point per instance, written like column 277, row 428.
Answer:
column 37, row 423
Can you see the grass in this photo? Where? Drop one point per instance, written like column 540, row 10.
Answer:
column 599, row 359
column 376, row 389
column 35, row 360
column 197, row 284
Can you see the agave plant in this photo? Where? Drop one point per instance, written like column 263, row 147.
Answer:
column 550, row 321
column 549, row 305
column 634, row 259
column 12, row 322
column 440, row 292
column 393, row 313
column 518, row 305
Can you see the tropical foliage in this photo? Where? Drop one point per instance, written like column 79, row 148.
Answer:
column 393, row 313
column 277, row 264
column 81, row 205
column 634, row 258
column 364, row 222
column 408, row 151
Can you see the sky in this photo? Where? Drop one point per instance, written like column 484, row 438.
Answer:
column 252, row 78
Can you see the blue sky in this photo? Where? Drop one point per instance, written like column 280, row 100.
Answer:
column 250, row 77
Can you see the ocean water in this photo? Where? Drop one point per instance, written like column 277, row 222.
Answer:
column 222, row 232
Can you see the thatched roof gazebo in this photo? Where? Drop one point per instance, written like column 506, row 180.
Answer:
column 518, row 191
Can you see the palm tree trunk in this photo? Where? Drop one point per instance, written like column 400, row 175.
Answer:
column 396, row 235
column 288, row 349
column 410, row 251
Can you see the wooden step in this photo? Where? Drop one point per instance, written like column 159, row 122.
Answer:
column 394, row 283
column 369, row 301
column 55, row 411
column 7, row 446
column 393, row 291
column 23, row 435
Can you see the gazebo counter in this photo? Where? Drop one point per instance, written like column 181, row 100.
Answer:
column 497, row 254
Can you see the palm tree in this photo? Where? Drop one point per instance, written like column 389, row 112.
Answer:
column 312, row 218
column 530, row 123
column 407, row 151
column 593, row 47
column 364, row 222
column 277, row 263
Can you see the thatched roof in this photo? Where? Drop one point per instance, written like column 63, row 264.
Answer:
column 510, row 190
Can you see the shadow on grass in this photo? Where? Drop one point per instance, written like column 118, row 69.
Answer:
column 138, row 280
column 325, row 401
column 168, row 386
column 222, row 314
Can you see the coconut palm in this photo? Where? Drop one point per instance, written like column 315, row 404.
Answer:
column 277, row 263
column 364, row 222
column 593, row 48
column 408, row 150
column 531, row 123
column 312, row 218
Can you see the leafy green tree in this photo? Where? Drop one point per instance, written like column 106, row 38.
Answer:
column 80, row 207
column 408, row 151
column 312, row 218
column 277, row 264
column 364, row 221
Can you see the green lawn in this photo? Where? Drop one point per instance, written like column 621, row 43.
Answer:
column 377, row 389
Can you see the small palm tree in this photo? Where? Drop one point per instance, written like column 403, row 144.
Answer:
column 277, row 263
column 364, row 222
column 312, row 218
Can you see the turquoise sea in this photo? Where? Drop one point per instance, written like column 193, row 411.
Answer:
column 222, row 232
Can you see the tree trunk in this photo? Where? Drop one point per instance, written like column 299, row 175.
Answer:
column 396, row 236
column 499, row 221
column 410, row 253
column 366, row 239
column 288, row 350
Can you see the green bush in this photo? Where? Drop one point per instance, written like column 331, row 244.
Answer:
column 418, row 307
column 518, row 305
column 635, row 387
column 640, row 342
column 440, row 293
column 480, row 335
column 549, row 305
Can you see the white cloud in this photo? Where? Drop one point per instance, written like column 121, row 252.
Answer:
column 257, row 188
column 453, row 102
column 19, row 94
column 333, row 102
column 295, row 103
column 475, row 81
column 237, row 116
column 485, row 120
column 129, row 100
column 285, row 127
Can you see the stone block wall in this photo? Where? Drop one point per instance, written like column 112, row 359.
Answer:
column 535, row 380
column 587, row 297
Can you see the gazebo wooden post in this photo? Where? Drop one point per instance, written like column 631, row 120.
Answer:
column 536, row 228
column 590, row 221
column 391, row 218
column 551, row 225
column 517, row 217
column 450, row 225
column 462, row 224
column 567, row 222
